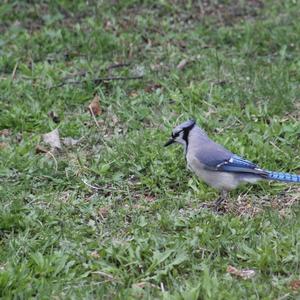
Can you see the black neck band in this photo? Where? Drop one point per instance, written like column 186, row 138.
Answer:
column 186, row 132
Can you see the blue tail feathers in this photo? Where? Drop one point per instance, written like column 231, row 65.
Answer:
column 285, row 177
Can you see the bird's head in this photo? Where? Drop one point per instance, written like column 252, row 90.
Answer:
column 180, row 133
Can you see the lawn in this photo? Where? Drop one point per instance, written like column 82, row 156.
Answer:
column 113, row 214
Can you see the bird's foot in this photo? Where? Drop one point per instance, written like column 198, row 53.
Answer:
column 218, row 202
column 219, row 206
column 215, row 206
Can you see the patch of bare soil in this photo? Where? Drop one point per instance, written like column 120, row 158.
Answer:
column 220, row 12
column 246, row 205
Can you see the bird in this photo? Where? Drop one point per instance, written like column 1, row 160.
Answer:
column 217, row 166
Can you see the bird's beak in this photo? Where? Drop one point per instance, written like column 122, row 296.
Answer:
column 169, row 142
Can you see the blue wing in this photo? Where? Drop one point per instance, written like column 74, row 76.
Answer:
column 240, row 165
column 216, row 158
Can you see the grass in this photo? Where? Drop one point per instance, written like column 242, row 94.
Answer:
column 143, row 235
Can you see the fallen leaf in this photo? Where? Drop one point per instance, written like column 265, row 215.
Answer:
column 95, row 254
column 5, row 132
column 152, row 87
column 64, row 196
column 55, row 118
column 3, row 145
column 40, row 149
column 182, row 44
column 157, row 67
column 52, row 139
column 68, row 141
column 295, row 285
column 245, row 274
column 183, row 63
column 149, row 198
column 103, row 212
column 108, row 25
column 133, row 94
column 147, row 40
column 94, row 106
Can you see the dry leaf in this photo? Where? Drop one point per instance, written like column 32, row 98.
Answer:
column 108, row 25
column 133, row 94
column 40, row 149
column 103, row 212
column 95, row 254
column 182, row 44
column 245, row 274
column 52, row 139
column 147, row 41
column 182, row 64
column 3, row 145
column 68, row 141
column 149, row 198
column 5, row 132
column 64, row 197
column 94, row 106
column 295, row 285
column 157, row 67
column 152, row 87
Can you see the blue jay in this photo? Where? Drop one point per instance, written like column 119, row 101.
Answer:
column 217, row 166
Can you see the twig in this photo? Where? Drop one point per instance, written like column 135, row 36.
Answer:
column 210, row 90
column 97, row 81
column 119, row 65
column 55, row 161
column 103, row 189
column 96, row 122
column 108, row 276
column 92, row 186
column 220, row 82
column 144, row 284
column 94, row 117
column 13, row 75
column 275, row 146
column 81, row 73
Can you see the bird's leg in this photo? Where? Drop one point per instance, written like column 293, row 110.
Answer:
column 220, row 200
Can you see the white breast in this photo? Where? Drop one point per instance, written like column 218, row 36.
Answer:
column 218, row 180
